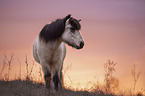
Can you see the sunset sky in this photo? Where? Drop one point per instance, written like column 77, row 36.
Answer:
column 111, row 29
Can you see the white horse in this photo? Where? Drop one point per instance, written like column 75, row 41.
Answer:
column 49, row 48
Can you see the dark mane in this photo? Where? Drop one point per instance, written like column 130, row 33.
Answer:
column 53, row 30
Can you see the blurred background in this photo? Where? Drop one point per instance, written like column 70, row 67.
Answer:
column 112, row 30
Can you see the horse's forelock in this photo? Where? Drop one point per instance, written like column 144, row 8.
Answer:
column 75, row 23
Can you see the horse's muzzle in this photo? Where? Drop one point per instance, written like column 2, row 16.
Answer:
column 81, row 45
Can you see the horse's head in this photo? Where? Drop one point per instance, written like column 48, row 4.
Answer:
column 71, row 34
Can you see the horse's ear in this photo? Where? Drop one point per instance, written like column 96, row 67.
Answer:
column 79, row 20
column 68, row 16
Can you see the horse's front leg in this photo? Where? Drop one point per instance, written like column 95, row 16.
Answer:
column 47, row 78
column 47, row 75
column 56, row 80
column 61, row 78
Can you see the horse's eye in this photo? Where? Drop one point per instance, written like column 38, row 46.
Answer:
column 72, row 29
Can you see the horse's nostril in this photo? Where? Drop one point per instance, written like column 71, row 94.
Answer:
column 81, row 44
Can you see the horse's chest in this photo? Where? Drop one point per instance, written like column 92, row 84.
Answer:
column 53, row 57
column 50, row 54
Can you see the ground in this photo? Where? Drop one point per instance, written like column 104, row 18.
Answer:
column 29, row 88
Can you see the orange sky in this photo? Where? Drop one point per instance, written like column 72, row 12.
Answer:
column 111, row 30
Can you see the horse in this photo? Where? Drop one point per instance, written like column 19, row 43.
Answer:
column 49, row 48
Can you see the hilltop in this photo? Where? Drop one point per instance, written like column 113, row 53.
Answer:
column 30, row 88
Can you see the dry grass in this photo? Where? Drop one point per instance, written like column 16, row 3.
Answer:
column 29, row 87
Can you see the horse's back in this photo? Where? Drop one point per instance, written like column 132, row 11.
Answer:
column 35, row 51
